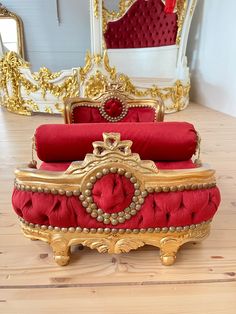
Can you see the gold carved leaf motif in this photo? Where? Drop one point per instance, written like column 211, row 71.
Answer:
column 10, row 75
column 99, row 244
column 127, row 244
column 96, row 85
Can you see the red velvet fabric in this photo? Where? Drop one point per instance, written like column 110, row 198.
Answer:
column 146, row 24
column 164, row 141
column 62, row 166
column 113, row 193
column 113, row 107
column 158, row 210
column 83, row 114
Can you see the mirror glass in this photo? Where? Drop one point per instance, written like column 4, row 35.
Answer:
column 8, row 30
column 11, row 32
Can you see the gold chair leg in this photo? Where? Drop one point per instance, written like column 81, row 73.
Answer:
column 168, row 250
column 169, row 243
column 61, row 251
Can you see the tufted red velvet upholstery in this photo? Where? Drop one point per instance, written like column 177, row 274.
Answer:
column 117, row 194
column 158, row 210
column 164, row 141
column 83, row 114
column 146, row 24
column 113, row 107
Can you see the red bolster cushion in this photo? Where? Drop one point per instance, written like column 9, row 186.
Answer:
column 164, row 141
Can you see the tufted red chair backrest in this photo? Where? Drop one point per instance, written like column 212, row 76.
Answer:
column 145, row 24
column 112, row 108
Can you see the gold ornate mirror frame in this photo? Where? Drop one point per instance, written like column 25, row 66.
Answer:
column 6, row 14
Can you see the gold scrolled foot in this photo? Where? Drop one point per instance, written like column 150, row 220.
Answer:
column 62, row 260
column 33, row 239
column 61, row 251
column 168, row 250
column 167, row 260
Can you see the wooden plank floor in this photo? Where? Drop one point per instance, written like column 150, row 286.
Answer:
column 203, row 280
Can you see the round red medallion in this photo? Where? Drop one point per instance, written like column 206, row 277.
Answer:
column 113, row 107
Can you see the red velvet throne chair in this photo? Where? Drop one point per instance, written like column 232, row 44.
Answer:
column 116, row 184
column 146, row 40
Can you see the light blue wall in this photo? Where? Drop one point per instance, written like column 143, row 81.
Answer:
column 47, row 43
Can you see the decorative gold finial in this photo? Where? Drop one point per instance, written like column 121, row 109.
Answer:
column 112, row 143
column 115, row 87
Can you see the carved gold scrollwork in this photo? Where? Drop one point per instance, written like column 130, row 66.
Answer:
column 13, row 82
column 96, row 8
column 176, row 93
column 68, row 88
column 96, row 84
column 108, row 68
column 87, row 67
column 10, row 75
column 105, row 242
column 101, row 245
column 181, row 13
column 125, row 245
column 45, row 74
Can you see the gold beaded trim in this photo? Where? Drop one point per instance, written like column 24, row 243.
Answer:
column 159, row 189
column 109, row 118
column 113, row 230
column 121, row 216
column 54, row 191
column 106, row 116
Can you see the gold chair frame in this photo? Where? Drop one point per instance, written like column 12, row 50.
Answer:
column 112, row 90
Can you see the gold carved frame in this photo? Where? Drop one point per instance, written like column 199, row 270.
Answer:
column 114, row 156
column 5, row 13
column 113, row 90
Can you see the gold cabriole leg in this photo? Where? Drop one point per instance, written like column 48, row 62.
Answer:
column 61, row 250
column 168, row 242
column 168, row 250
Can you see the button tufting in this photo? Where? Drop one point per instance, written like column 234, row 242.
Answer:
column 140, row 27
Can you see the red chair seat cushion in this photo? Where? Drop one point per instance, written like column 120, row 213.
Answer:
column 164, row 141
column 159, row 209
column 113, row 193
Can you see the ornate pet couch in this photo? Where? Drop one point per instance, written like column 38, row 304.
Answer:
column 115, row 186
